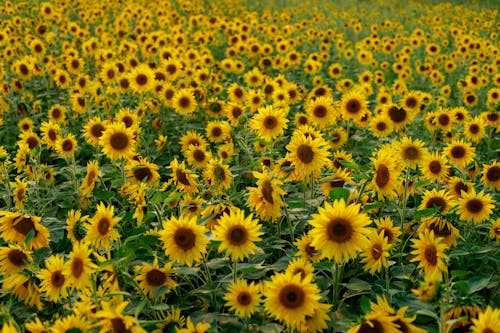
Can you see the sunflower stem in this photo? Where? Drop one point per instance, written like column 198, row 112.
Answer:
column 361, row 191
column 235, row 266
column 442, row 305
column 337, row 278
column 290, row 224
column 387, row 283
column 403, row 206
column 5, row 178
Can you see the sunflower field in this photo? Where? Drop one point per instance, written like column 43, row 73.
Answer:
column 249, row 166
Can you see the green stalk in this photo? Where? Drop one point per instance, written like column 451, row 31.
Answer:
column 337, row 278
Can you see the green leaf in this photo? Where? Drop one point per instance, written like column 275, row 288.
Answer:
column 156, row 198
column 174, row 197
column 338, row 193
column 140, row 307
column 477, row 283
column 159, row 292
column 428, row 314
column 373, row 205
column 357, row 284
column 29, row 236
column 425, row 213
column 296, row 204
column 458, row 274
column 365, row 304
column 349, row 165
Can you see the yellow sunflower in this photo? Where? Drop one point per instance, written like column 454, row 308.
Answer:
column 488, row 321
column 442, row 228
column 307, row 154
column 379, row 322
column 237, row 234
column 353, row 104
column 243, row 298
column 269, row 122
column 50, row 132
column 437, row 198
column 141, row 79
column 412, row 152
column 475, row 207
column 218, row 131
column 266, row 199
column 385, row 227
column 93, row 130
column 142, row 171
column 317, row 322
column 13, row 258
column 339, row 230
column 474, row 129
column 290, row 299
column 52, row 280
column 66, row 146
column 100, row 228
column 460, row 153
column 184, row 101
column 91, row 178
column 385, row 178
column 184, row 240
column 152, row 277
column 375, row 255
column 321, row 111
column 15, row 227
column 217, row 174
column 490, row 176
column 79, row 267
column 495, row 230
column 198, row 156
column 112, row 318
column 430, row 254
column 381, row 126
column 435, row 167
column 117, row 141
column 305, row 249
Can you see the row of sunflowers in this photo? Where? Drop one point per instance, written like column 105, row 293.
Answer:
column 221, row 166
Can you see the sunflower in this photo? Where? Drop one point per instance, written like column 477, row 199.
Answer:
column 475, row 207
column 113, row 319
column 435, row 167
column 50, row 132
column 237, row 234
column 460, row 153
column 321, row 111
column 183, row 177
column 301, row 266
column 184, row 101
column 353, row 104
column 305, row 249
column 290, row 299
column 91, row 178
column 100, row 228
column 191, row 206
column 399, row 116
column 375, row 255
column 141, row 79
column 441, row 228
column 66, row 146
column 412, row 152
column 74, row 226
column 13, row 258
column 381, row 126
column 15, row 227
column 385, row 227
column 339, row 230
column 20, row 191
column 385, row 178
column 428, row 290
column 57, row 113
column 52, row 280
column 254, row 99
column 117, row 141
column 29, row 139
column 35, row 325
column 490, row 176
column 317, row 322
column 198, row 156
column 430, row 254
column 184, row 240
column 93, row 130
column 376, row 321
column 217, row 174
column 142, row 171
column 79, row 267
column 192, row 138
column 474, row 129
column 495, row 230
column 70, row 323
column 200, row 327
column 236, row 93
column 152, row 277
column 307, row 154
column 235, row 112
column 218, row 131
column 488, row 321
column 243, row 298
column 266, row 197
column 269, row 122
column 129, row 118
column 437, row 198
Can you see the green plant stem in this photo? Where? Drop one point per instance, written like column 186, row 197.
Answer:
column 8, row 199
column 387, row 284
column 337, row 278
column 290, row 224
column 405, row 198
column 207, row 271
column 235, row 266
column 361, row 191
column 442, row 304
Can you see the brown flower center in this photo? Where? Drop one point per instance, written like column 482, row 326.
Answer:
column 237, row 235
column 32, row 142
column 267, row 191
column 155, row 277
column 184, row 238
column 292, row 296
column 77, row 267
column 430, row 254
column 458, row 152
column 141, row 79
column 184, row 102
column 199, row 155
column 96, row 130
column 436, row 202
column 216, row 132
column 119, row 141
column 381, row 126
column 142, row 173
column 182, row 177
column 320, row 111
column 397, row 115
column 474, row 206
column 376, row 251
column 353, row 106
column 103, row 226
column 493, row 174
column 474, row 128
column 119, row 326
column 382, row 176
column 305, row 153
column 435, row 167
column 270, row 122
column 25, row 226
column 57, row 279
column 52, row 135
column 373, row 327
column 444, row 119
column 339, row 230
column 67, row 145
column 244, row 298
column 17, row 257
column 411, row 102
column 411, row 153
column 56, row 113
